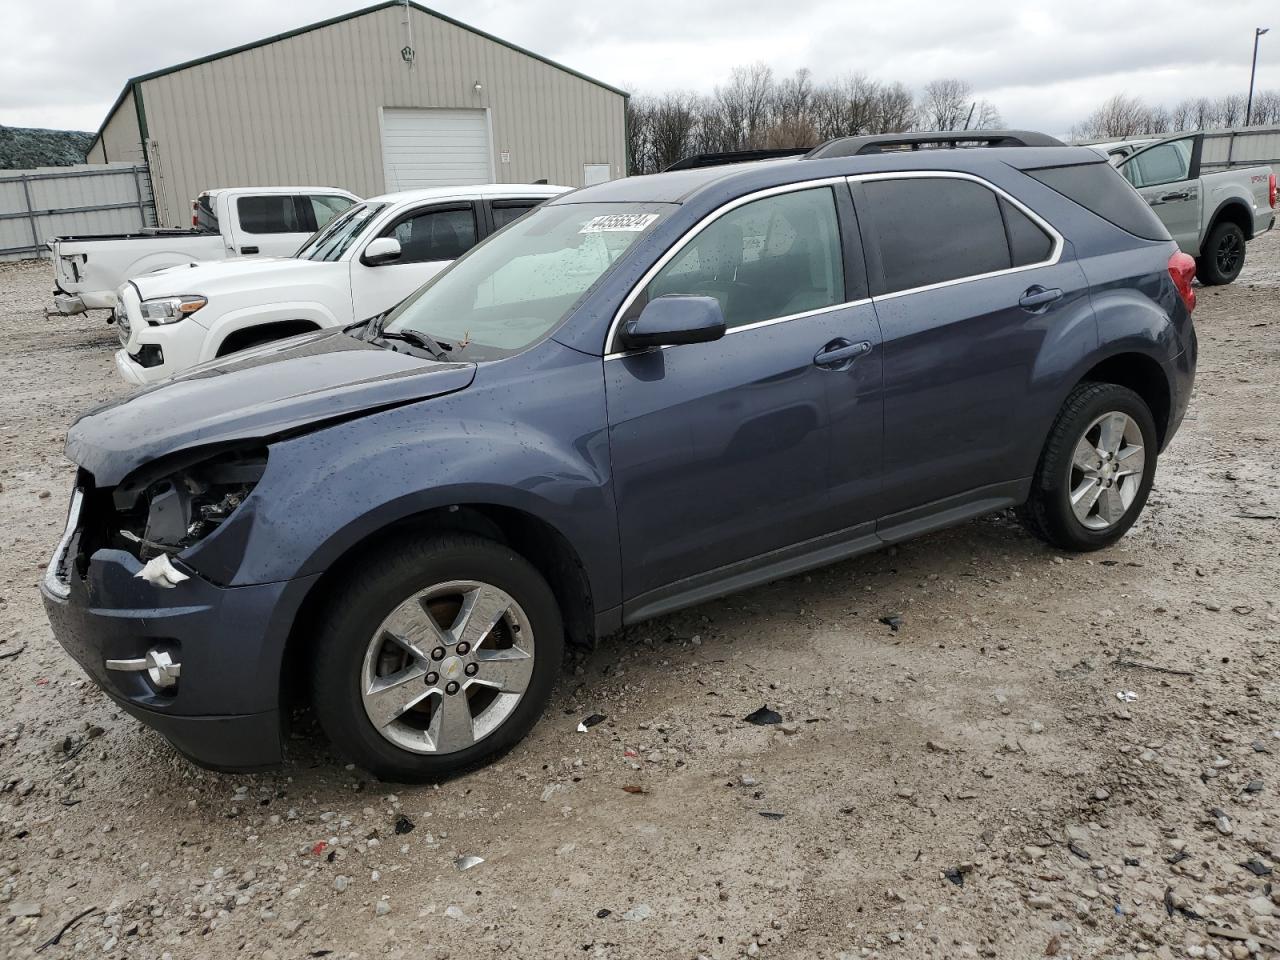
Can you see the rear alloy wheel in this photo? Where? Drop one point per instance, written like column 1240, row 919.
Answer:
column 1222, row 258
column 436, row 657
column 1096, row 469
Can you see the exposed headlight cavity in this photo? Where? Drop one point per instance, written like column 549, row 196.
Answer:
column 167, row 514
column 170, row 309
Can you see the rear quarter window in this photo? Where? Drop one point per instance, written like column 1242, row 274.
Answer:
column 1100, row 189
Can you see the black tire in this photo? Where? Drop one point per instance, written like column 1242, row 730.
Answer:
column 1222, row 257
column 352, row 616
column 1048, row 512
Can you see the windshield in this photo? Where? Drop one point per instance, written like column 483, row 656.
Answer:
column 517, row 286
column 336, row 238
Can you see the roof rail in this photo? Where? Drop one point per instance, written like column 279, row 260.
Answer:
column 931, row 140
column 735, row 156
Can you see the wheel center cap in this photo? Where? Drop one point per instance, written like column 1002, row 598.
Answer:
column 451, row 668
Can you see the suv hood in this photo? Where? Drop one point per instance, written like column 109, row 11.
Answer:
column 214, row 275
column 300, row 383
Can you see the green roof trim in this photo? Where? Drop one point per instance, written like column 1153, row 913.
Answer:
column 134, row 83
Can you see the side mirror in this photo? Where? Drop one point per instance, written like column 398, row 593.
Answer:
column 675, row 319
column 380, row 251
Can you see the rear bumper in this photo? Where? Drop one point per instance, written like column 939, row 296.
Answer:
column 68, row 304
column 1181, row 374
column 225, row 710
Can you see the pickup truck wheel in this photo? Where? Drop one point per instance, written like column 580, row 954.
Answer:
column 436, row 658
column 1095, row 471
column 1223, row 255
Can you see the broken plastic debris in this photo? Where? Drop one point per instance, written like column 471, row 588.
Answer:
column 893, row 621
column 763, row 717
column 1126, row 696
column 404, row 824
column 161, row 572
column 634, row 788
column 591, row 721
column 770, row 815
column 466, row 863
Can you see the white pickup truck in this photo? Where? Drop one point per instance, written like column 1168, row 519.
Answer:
column 1211, row 214
column 234, row 222
column 362, row 264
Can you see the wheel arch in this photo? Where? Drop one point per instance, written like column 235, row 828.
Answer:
column 534, row 538
column 1232, row 210
column 1141, row 373
column 248, row 336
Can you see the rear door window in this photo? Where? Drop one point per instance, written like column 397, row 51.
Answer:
column 506, row 211
column 270, row 213
column 324, row 208
column 438, row 233
column 934, row 229
column 774, row 257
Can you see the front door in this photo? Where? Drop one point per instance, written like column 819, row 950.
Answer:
column 968, row 288
column 430, row 237
column 722, row 451
column 1167, row 175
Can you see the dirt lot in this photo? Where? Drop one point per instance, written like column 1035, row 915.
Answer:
column 968, row 785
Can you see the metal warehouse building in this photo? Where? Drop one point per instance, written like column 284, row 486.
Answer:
column 390, row 97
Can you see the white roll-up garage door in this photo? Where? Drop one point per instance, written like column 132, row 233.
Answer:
column 435, row 148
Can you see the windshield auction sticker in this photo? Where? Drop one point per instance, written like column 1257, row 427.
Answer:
column 619, row 223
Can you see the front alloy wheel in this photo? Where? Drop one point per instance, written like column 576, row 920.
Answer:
column 435, row 655
column 447, row 667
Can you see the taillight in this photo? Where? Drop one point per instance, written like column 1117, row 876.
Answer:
column 1182, row 267
column 1271, row 191
column 194, row 218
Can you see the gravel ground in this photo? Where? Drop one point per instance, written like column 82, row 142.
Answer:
column 967, row 785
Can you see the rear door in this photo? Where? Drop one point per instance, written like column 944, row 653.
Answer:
column 722, row 452
column 270, row 224
column 1167, row 175
column 969, row 286
column 431, row 236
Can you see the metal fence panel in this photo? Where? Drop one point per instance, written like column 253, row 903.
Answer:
column 57, row 201
column 1245, row 147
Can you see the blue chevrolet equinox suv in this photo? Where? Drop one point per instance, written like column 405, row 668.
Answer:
column 638, row 396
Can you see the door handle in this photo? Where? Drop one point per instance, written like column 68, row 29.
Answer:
column 1037, row 297
column 1175, row 196
column 839, row 353
column 248, row 249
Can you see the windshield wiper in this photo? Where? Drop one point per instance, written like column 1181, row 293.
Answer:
column 420, row 340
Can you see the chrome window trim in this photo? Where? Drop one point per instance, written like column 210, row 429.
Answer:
column 1055, row 255
column 1059, row 242
column 688, row 236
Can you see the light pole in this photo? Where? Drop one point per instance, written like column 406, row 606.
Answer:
column 1248, row 108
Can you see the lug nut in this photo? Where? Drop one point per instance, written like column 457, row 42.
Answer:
column 471, row 669
column 463, row 648
column 451, row 687
column 437, row 653
column 432, row 679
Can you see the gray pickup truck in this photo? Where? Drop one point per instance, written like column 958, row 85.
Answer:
column 1211, row 215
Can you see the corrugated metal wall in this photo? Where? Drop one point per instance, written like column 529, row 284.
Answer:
column 120, row 141
column 1244, row 147
column 305, row 109
column 56, row 201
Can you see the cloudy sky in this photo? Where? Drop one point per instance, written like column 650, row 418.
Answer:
column 1044, row 65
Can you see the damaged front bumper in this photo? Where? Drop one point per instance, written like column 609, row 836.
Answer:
column 221, row 708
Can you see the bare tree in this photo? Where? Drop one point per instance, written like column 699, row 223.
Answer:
column 945, row 104
column 743, row 104
column 1121, row 117
column 793, row 113
column 895, row 110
